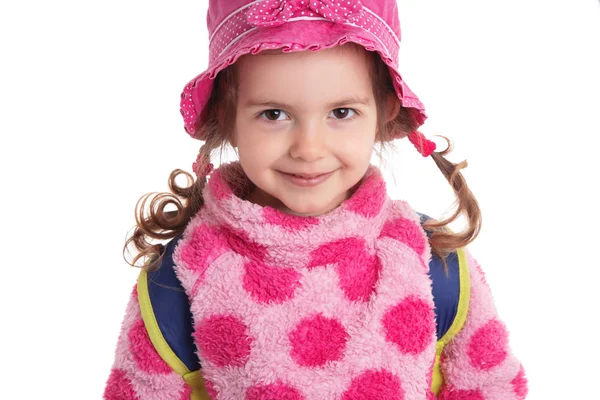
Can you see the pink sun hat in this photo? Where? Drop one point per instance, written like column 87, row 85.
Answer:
column 238, row 27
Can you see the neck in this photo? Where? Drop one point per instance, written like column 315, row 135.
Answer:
column 264, row 199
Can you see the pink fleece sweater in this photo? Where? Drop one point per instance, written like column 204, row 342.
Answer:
column 336, row 307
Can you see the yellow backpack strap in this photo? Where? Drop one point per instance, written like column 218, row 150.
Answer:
column 167, row 318
column 451, row 289
column 461, row 268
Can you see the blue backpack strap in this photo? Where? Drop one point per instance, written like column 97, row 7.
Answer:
column 445, row 287
column 171, row 309
column 451, row 289
column 168, row 320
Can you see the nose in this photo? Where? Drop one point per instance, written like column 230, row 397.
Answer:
column 308, row 143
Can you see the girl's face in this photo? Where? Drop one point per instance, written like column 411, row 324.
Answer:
column 308, row 114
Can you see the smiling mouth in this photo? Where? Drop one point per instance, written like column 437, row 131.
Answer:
column 308, row 176
column 307, row 180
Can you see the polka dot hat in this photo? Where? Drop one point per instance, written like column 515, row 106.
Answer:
column 238, row 27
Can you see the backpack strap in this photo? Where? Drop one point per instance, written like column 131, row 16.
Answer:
column 167, row 317
column 451, row 289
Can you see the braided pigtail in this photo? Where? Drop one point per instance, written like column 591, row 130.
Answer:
column 154, row 222
column 404, row 124
column 443, row 240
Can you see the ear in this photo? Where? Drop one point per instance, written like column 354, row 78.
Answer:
column 392, row 107
column 390, row 112
column 232, row 139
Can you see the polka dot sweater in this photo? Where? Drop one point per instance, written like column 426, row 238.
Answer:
column 335, row 307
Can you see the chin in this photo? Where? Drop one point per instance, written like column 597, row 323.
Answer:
column 310, row 210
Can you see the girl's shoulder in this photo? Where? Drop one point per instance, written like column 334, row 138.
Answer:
column 401, row 209
column 405, row 224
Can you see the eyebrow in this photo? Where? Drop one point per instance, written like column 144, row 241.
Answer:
column 335, row 104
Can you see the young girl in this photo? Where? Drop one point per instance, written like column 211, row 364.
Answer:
column 301, row 278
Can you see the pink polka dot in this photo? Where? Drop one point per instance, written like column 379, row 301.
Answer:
column 449, row 393
column 270, row 284
column 375, row 385
column 241, row 244
column 369, row 198
column 277, row 391
column 219, row 187
column 520, row 384
column 317, row 340
column 358, row 281
column 205, row 245
column 223, row 340
column 357, row 269
column 186, row 393
column 405, row 231
column 488, row 345
column 288, row 221
column 210, row 389
column 119, row 387
column 144, row 353
column 410, row 325
column 480, row 272
column 430, row 374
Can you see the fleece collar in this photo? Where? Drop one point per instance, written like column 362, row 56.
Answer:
column 274, row 232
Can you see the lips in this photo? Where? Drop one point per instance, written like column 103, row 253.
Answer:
column 307, row 179
column 308, row 176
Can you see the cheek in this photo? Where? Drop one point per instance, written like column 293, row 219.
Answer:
column 359, row 143
column 255, row 148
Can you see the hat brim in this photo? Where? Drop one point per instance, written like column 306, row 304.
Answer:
column 291, row 37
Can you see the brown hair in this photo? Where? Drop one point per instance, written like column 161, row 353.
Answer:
column 442, row 240
column 154, row 222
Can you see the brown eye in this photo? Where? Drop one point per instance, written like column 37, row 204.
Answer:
column 273, row 115
column 342, row 113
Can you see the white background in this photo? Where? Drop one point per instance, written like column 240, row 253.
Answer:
column 89, row 121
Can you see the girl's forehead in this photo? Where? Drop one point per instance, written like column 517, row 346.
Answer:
column 334, row 70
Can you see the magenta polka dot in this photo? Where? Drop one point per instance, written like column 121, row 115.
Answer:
column 357, row 269
column 488, row 345
column 430, row 374
column 358, row 276
column 369, row 198
column 205, row 246
column 186, row 393
column 480, row 272
column 144, row 353
column 375, row 385
column 520, row 384
column 241, row 244
column 449, row 393
column 317, row 340
column 119, row 387
column 405, row 231
column 288, row 221
column 410, row 325
column 210, row 389
column 223, row 340
column 277, row 391
column 219, row 187
column 270, row 284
